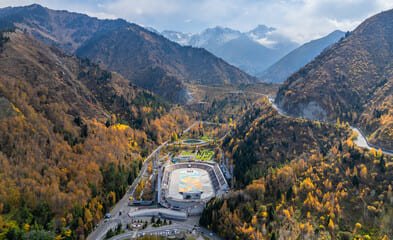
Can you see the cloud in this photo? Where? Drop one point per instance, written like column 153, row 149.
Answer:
column 300, row 20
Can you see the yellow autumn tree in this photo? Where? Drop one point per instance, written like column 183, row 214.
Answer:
column 363, row 172
column 307, row 185
column 88, row 216
column 358, row 226
column 286, row 213
column 331, row 226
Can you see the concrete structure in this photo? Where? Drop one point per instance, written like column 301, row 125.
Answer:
column 187, row 158
column 194, row 142
column 142, row 202
column 159, row 212
column 188, row 186
column 192, row 195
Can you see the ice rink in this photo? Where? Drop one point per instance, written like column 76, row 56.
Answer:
column 189, row 180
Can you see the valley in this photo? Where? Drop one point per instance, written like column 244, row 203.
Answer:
column 192, row 224
column 110, row 129
column 131, row 209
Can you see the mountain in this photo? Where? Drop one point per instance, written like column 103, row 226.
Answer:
column 142, row 56
column 352, row 80
column 264, row 139
column 63, row 29
column 245, row 53
column 73, row 137
column 293, row 61
column 301, row 179
column 159, row 64
column 214, row 37
column 260, row 32
column 251, row 51
column 179, row 37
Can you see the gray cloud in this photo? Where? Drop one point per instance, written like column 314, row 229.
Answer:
column 301, row 20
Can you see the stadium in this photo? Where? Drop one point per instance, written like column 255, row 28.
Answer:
column 188, row 186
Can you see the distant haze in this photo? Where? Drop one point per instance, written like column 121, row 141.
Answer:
column 300, row 20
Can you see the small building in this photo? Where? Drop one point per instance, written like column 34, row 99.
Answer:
column 186, row 158
column 192, row 195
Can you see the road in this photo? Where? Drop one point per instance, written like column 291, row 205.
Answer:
column 191, row 126
column 198, row 122
column 361, row 140
column 122, row 205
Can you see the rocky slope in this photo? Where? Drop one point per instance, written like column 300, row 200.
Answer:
column 352, row 80
column 293, row 61
column 143, row 57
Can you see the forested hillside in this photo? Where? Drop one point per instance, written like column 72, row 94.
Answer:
column 263, row 139
column 84, row 101
column 222, row 103
column 351, row 81
column 73, row 137
column 322, row 188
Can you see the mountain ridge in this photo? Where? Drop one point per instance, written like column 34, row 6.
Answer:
column 298, row 58
column 352, row 81
column 175, row 64
column 253, row 51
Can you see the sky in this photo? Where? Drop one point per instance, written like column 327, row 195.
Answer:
column 300, row 20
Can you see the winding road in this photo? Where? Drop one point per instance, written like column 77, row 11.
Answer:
column 361, row 141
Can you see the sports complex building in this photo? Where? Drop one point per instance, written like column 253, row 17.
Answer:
column 188, row 186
